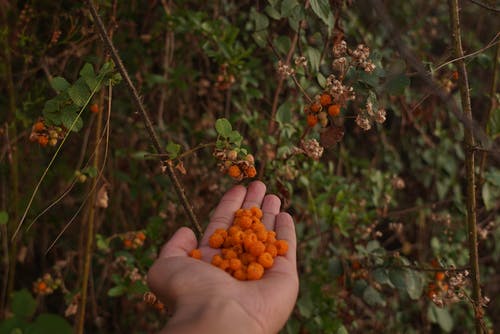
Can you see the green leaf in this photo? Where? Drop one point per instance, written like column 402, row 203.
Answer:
column 272, row 12
column 398, row 278
column 235, row 137
column 441, row 316
column 223, row 127
column 414, row 284
column 284, row 114
column 313, row 55
column 47, row 323
column 59, row 84
column 116, row 291
column 173, row 149
column 322, row 9
column 13, row 325
column 4, row 217
column 68, row 116
column 89, row 76
column 380, row 275
column 79, row 93
column 23, row 304
column 396, row 84
column 321, row 80
column 287, row 7
column 372, row 297
column 261, row 20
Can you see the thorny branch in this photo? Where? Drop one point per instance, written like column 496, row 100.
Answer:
column 168, row 168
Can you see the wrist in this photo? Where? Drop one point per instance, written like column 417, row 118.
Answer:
column 216, row 316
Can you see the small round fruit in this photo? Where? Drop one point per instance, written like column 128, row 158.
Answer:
column 312, row 120
column 251, row 171
column 334, row 110
column 94, row 108
column 315, row 107
column 234, row 171
column 325, row 99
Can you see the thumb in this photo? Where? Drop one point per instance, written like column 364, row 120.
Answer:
column 181, row 243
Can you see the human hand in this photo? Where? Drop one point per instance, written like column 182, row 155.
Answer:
column 205, row 299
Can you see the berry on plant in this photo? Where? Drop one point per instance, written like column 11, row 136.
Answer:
column 334, row 110
column 234, row 171
column 312, row 120
column 94, row 108
column 325, row 99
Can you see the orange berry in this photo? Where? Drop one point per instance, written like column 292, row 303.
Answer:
column 195, row 253
column 237, row 239
column 233, row 230
column 281, row 246
column 159, row 306
column 127, row 243
column 240, row 274
column 249, row 239
column 141, row 236
column 247, row 258
column 271, row 249
column 224, row 264
column 315, row 107
column 439, row 276
column 334, row 110
column 42, row 286
column 258, row 226
column 238, row 249
column 234, row 171
column 266, row 260
column 255, row 271
column 245, row 222
column 216, row 260
column 435, row 263
column 216, row 240
column 325, row 99
column 94, row 108
column 454, row 75
column 257, row 248
column 228, row 254
column 262, row 235
column 235, row 264
column 355, row 265
column 38, row 126
column 43, row 140
column 251, row 171
column 222, row 232
column 271, row 237
column 256, row 212
column 312, row 120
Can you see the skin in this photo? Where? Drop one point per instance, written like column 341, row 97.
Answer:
column 205, row 299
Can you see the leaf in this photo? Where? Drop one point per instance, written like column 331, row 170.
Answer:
column 261, row 20
column 287, row 7
column 414, row 284
column 223, row 127
column 372, row 297
column 380, row 275
column 322, row 9
column 4, row 217
column 398, row 278
column 331, row 135
column 173, row 149
column 68, row 116
column 489, row 203
column 79, row 93
column 321, row 80
column 116, row 291
column 313, row 56
column 396, row 84
column 441, row 316
column 59, row 84
column 89, row 76
column 284, row 115
column 23, row 304
column 235, row 137
column 47, row 323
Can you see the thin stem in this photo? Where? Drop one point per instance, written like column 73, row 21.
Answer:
column 463, row 84
column 168, row 168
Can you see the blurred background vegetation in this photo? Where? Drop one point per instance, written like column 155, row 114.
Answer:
column 380, row 216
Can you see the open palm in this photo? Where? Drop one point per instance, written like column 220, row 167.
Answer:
column 182, row 282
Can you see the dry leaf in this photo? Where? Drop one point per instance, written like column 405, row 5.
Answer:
column 331, row 135
column 180, row 168
column 102, row 197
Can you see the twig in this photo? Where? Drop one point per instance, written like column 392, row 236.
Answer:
column 169, row 169
column 485, row 6
column 463, row 84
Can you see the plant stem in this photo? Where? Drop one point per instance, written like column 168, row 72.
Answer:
column 463, row 84
column 168, row 168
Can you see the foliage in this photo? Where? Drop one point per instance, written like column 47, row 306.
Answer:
column 376, row 188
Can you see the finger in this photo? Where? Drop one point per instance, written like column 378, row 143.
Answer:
column 270, row 208
column 255, row 194
column 181, row 243
column 285, row 230
column 224, row 213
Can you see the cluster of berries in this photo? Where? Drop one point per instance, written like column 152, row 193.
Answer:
column 133, row 240
column 247, row 247
column 320, row 108
column 44, row 134
column 235, row 166
column 46, row 285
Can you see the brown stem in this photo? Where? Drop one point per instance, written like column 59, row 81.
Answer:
column 168, row 168
column 463, row 84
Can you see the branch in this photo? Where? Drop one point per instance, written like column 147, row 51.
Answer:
column 169, row 169
column 485, row 6
column 463, row 84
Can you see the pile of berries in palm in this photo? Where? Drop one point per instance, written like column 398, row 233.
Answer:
column 247, row 247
